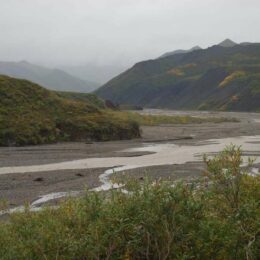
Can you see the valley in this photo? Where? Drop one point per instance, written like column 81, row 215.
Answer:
column 165, row 151
column 129, row 130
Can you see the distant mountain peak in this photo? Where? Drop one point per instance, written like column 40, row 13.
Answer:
column 197, row 47
column 227, row 43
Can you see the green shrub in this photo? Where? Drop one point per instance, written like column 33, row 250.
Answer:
column 214, row 218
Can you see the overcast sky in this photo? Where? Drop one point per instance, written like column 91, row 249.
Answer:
column 71, row 32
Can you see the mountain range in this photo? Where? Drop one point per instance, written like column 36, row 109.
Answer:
column 225, row 76
column 54, row 79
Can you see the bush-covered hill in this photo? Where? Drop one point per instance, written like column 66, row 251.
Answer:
column 30, row 114
column 217, row 78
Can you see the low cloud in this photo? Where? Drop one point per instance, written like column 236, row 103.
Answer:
column 71, row 32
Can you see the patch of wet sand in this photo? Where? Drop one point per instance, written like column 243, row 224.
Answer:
column 160, row 154
column 17, row 189
column 162, row 172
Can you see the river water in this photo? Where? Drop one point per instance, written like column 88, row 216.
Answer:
column 160, row 154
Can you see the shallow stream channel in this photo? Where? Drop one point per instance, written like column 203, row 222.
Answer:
column 158, row 154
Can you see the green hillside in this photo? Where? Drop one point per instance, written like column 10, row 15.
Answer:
column 30, row 114
column 217, row 78
column 86, row 97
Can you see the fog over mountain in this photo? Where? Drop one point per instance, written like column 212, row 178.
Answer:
column 95, row 72
column 116, row 33
column 54, row 79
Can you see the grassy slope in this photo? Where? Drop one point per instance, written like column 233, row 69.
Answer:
column 30, row 114
column 217, row 219
column 87, row 97
column 192, row 81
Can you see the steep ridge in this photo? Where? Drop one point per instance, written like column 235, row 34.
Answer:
column 217, row 78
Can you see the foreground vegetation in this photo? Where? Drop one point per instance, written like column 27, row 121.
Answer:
column 30, row 114
column 215, row 218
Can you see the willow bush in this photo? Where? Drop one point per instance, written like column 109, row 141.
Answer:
column 216, row 217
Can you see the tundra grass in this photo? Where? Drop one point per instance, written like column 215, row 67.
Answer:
column 152, row 120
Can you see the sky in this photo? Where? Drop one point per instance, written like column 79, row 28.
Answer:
column 105, row 32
